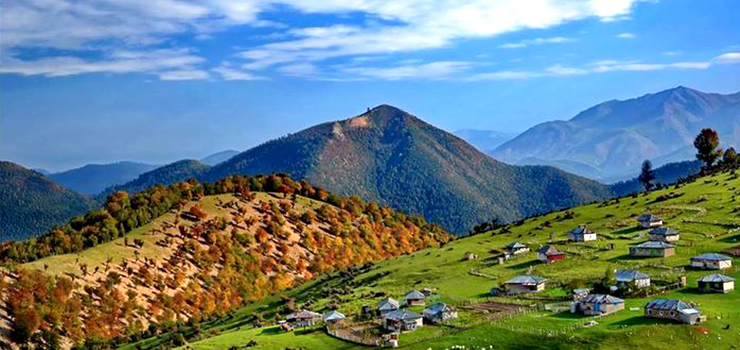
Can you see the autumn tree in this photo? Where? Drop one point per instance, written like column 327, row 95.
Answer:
column 706, row 144
column 731, row 158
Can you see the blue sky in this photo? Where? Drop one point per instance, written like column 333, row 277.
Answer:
column 161, row 80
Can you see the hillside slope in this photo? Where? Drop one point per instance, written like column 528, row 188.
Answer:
column 218, row 157
column 389, row 156
column 166, row 174
column 30, row 203
column 666, row 174
column 92, row 179
column 610, row 140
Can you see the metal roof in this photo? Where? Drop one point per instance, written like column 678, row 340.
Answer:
column 549, row 250
column 602, row 299
column 663, row 231
column 581, row 230
column 334, row 315
column 402, row 315
column 653, row 245
column 716, row 278
column 630, row 275
column 525, row 280
column 516, row 245
column 667, row 304
column 414, row 295
column 436, row 308
column 711, row 257
column 303, row 314
column 388, row 304
column 649, row 217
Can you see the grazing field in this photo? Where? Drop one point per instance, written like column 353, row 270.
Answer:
column 703, row 212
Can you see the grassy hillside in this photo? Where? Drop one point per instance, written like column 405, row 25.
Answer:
column 704, row 212
column 31, row 204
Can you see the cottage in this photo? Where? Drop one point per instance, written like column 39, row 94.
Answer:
column 631, row 279
column 711, row 261
column 388, row 305
column 549, row 254
column 470, row 256
column 402, row 321
column 439, row 312
column 525, row 284
column 304, row 318
column 649, row 220
column 597, row 304
column 581, row 234
column 517, row 248
column 652, row 249
column 333, row 317
column 672, row 310
column 580, row 293
column 716, row 283
column 415, row 298
column 663, row 234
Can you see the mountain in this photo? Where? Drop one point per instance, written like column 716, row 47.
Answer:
column 484, row 140
column 219, row 157
column 92, row 179
column 167, row 174
column 30, row 203
column 389, row 156
column 610, row 140
column 666, row 174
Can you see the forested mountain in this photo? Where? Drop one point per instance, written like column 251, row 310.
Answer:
column 167, row 174
column 92, row 179
column 219, row 157
column 30, row 203
column 666, row 174
column 610, row 140
column 392, row 157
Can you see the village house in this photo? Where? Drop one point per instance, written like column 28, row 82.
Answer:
column 652, row 249
column 663, row 234
column 631, row 278
column 597, row 304
column 580, row 293
column 414, row 298
column 439, row 312
column 672, row 310
column 716, row 283
column 581, row 234
column 388, row 305
column 304, row 318
column 470, row 256
column 402, row 321
column 525, row 284
column 333, row 317
column 549, row 254
column 711, row 261
column 649, row 220
column 517, row 248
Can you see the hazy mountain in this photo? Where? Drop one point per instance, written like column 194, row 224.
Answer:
column 30, row 203
column 392, row 157
column 94, row 178
column 484, row 140
column 219, row 157
column 666, row 174
column 610, row 140
column 167, row 174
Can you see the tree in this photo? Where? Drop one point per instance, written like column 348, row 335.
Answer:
column 647, row 175
column 731, row 158
column 706, row 144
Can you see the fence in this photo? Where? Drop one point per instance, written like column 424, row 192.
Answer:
column 355, row 334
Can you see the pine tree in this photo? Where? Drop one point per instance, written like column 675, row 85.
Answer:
column 647, row 175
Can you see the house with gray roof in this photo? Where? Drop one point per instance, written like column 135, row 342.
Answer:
column 333, row 316
column 549, row 254
column 652, row 249
column 663, row 234
column 402, row 321
column 388, row 305
column 581, row 234
column 716, row 283
column 415, row 298
column 525, row 284
column 675, row 310
column 304, row 318
column 649, row 220
column 439, row 312
column 597, row 304
column 711, row 261
column 516, row 248
column 631, row 278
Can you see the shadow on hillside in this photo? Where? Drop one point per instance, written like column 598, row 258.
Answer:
column 626, row 257
column 566, row 315
column 524, row 265
column 271, row 331
column 690, row 291
column 731, row 239
column 628, row 230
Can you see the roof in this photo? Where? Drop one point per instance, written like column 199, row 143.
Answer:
column 602, row 299
column 388, row 304
column 303, row 314
column 663, row 231
column 402, row 315
column 649, row 217
column 516, row 245
column 667, row 304
column 436, row 308
column 653, row 245
column 414, row 295
column 579, row 291
column 525, row 280
column 549, row 250
column 716, row 278
column 630, row 275
column 581, row 230
column 334, row 315
column 712, row 257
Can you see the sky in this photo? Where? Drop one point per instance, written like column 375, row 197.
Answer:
column 161, row 80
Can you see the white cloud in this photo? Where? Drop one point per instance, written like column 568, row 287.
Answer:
column 228, row 73
column 433, row 70
column 538, row 41
column 194, row 74
column 730, row 57
column 626, row 36
column 672, row 53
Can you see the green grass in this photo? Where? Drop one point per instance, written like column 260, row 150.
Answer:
column 704, row 209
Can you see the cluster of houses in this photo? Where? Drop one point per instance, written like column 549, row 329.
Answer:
column 395, row 319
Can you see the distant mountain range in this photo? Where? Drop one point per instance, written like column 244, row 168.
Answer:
column 30, row 203
column 484, row 140
column 609, row 141
column 167, row 174
column 92, row 179
column 219, row 157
